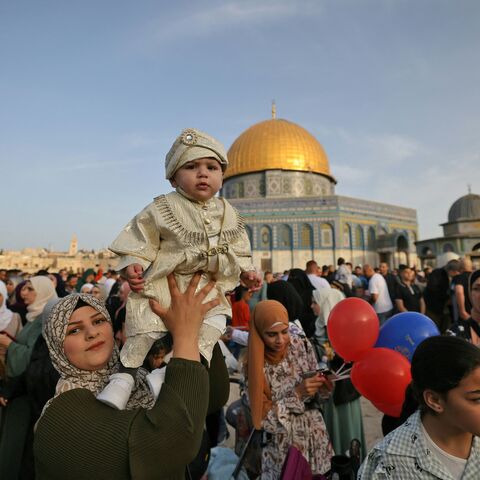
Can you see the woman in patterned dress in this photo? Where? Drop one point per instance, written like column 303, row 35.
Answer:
column 277, row 364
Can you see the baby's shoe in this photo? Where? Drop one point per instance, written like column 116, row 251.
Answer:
column 155, row 380
column 118, row 390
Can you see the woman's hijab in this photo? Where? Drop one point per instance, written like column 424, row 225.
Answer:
column 471, row 280
column 6, row 315
column 267, row 314
column 326, row 298
column 300, row 281
column 83, row 279
column 286, row 294
column 54, row 332
column 60, row 288
column 19, row 305
column 45, row 291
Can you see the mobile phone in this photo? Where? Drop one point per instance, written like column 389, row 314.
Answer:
column 327, row 373
column 309, row 374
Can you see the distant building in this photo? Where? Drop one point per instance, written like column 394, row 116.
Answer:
column 31, row 260
column 461, row 234
column 279, row 179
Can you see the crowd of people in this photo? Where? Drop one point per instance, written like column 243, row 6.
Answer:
column 276, row 343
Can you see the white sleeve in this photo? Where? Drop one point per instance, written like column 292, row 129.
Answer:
column 240, row 337
column 373, row 286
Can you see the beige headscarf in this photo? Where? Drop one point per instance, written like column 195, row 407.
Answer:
column 6, row 315
column 45, row 290
column 54, row 332
column 266, row 314
column 326, row 298
column 190, row 145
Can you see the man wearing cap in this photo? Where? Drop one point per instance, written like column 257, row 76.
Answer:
column 185, row 231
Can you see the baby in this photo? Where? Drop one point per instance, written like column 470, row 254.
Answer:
column 186, row 231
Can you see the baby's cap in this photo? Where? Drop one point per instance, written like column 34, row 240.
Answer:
column 190, row 145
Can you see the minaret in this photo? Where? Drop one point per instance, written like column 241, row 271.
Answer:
column 73, row 250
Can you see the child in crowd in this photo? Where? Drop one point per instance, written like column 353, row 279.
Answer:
column 159, row 354
column 441, row 439
column 186, row 231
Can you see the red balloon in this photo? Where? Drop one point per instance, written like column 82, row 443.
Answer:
column 353, row 328
column 382, row 376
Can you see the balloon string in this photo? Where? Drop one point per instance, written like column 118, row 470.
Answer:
column 341, row 377
column 340, row 369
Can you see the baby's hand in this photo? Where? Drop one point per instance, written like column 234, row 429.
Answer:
column 135, row 277
column 252, row 280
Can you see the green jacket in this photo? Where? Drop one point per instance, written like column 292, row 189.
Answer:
column 79, row 438
column 20, row 351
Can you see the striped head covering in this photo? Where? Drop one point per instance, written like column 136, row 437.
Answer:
column 54, row 332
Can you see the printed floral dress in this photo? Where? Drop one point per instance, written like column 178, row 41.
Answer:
column 288, row 422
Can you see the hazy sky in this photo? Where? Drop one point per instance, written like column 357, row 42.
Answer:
column 93, row 93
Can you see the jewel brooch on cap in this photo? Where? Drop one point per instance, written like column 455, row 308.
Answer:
column 189, row 137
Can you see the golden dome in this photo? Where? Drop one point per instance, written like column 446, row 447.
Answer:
column 276, row 144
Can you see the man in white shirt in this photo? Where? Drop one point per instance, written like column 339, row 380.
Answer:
column 379, row 296
column 314, row 275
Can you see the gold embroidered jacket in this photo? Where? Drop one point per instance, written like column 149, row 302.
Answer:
column 176, row 234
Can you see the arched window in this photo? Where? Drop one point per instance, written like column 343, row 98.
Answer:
column 371, row 238
column 448, row 247
column 265, row 238
column 241, row 190
column 359, row 237
column 250, row 235
column 427, row 251
column 326, row 235
column 402, row 244
column 284, row 236
column 347, row 235
column 306, row 236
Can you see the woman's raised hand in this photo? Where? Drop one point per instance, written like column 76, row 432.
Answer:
column 185, row 315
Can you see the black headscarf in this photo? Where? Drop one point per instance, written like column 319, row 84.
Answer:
column 284, row 293
column 19, row 305
column 471, row 280
column 300, row 281
column 60, row 288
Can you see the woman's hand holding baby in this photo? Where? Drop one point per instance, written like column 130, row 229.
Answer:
column 135, row 279
column 185, row 315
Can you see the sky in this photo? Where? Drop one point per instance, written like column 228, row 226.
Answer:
column 93, row 94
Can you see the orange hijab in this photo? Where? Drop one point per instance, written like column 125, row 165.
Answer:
column 266, row 315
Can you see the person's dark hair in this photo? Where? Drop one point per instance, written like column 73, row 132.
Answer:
column 80, row 304
column 471, row 280
column 239, row 292
column 286, row 294
column 164, row 343
column 70, row 276
column 439, row 364
column 42, row 273
column 453, row 266
column 340, row 261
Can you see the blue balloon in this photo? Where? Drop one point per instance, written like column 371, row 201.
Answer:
column 405, row 331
